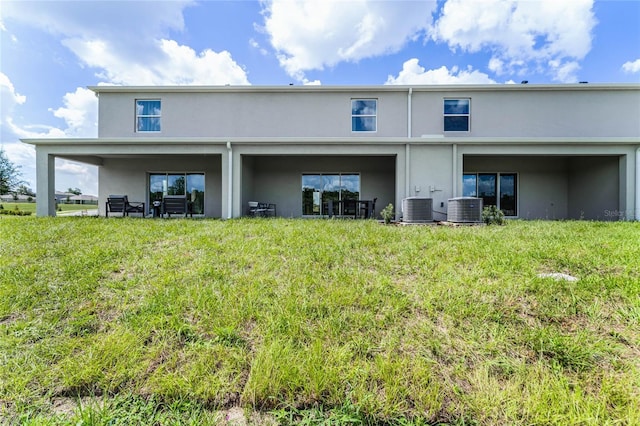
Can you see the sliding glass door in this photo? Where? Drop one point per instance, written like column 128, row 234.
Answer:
column 189, row 184
column 495, row 189
column 319, row 191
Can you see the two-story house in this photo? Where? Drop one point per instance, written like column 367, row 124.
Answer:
column 535, row 151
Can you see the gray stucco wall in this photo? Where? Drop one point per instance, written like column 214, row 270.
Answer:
column 543, row 113
column 249, row 114
column 551, row 187
column 560, row 111
column 278, row 179
column 593, row 188
column 130, row 177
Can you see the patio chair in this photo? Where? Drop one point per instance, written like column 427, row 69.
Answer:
column 350, row 208
column 121, row 204
column 268, row 209
column 175, row 204
column 254, row 209
column 368, row 209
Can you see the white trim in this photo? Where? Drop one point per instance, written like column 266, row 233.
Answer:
column 362, row 89
column 160, row 140
column 409, row 112
column 230, row 183
column 637, row 200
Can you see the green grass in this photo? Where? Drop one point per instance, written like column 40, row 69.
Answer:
column 312, row 321
column 31, row 207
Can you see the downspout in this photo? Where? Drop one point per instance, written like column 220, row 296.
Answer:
column 407, row 149
column 230, row 188
column 409, row 112
column 637, row 200
column 454, row 165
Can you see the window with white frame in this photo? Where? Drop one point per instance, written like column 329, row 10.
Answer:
column 148, row 115
column 495, row 189
column 457, row 113
column 364, row 115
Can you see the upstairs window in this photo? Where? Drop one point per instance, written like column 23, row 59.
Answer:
column 364, row 115
column 456, row 115
column 148, row 115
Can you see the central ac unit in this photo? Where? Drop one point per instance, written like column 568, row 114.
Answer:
column 464, row 209
column 417, row 210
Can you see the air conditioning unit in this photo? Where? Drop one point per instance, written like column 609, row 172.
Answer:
column 417, row 210
column 464, row 209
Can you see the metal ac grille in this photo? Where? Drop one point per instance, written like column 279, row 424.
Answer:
column 417, row 210
column 464, row 209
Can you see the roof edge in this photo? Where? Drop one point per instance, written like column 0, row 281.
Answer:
column 364, row 88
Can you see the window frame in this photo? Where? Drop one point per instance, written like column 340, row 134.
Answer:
column 445, row 114
column 340, row 189
column 138, row 117
column 362, row 116
column 200, row 198
column 498, row 189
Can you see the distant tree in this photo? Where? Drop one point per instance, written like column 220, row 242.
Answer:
column 9, row 174
column 25, row 190
column 74, row 191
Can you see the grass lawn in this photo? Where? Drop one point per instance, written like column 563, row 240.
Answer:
column 31, row 207
column 133, row 321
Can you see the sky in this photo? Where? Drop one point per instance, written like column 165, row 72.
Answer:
column 50, row 51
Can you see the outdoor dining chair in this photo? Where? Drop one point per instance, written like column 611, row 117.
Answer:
column 121, row 204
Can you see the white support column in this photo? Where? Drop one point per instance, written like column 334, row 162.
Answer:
column 454, row 168
column 45, row 183
column 230, row 182
column 637, row 198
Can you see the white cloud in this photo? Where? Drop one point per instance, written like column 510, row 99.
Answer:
column 127, row 42
column 80, row 112
column 413, row 73
column 174, row 65
column 631, row 67
column 9, row 95
column 312, row 35
column 550, row 35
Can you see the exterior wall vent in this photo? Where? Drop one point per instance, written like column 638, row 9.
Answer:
column 464, row 209
column 417, row 210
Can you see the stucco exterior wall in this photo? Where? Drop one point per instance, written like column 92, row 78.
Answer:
column 431, row 175
column 131, row 177
column 247, row 114
column 278, row 179
column 593, row 188
column 507, row 111
column 540, row 113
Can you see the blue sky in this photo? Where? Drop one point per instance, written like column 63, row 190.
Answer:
column 52, row 50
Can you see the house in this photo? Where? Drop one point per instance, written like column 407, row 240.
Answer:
column 83, row 199
column 536, row 151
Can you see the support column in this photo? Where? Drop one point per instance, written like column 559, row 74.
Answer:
column 637, row 198
column 225, row 185
column 401, row 183
column 454, row 170
column 45, row 183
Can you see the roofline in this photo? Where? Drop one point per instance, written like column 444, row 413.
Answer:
column 625, row 140
column 368, row 88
